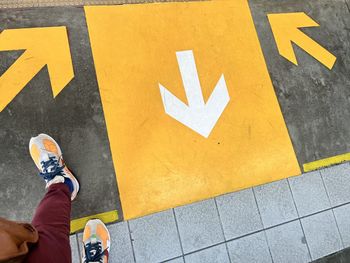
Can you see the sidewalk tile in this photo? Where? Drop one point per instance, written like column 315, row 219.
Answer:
column 252, row 248
column 155, row 237
column 199, row 225
column 74, row 248
column 322, row 234
column 342, row 216
column 337, row 182
column 121, row 250
column 239, row 213
column 217, row 254
column 309, row 193
column 275, row 203
column 287, row 243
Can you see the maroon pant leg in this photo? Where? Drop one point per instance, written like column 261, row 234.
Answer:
column 52, row 220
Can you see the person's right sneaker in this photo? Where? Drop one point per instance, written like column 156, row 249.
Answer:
column 47, row 155
column 96, row 240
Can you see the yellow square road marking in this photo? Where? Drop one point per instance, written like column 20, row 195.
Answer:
column 160, row 162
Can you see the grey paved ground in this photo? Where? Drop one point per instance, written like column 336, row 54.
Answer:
column 75, row 119
column 299, row 219
column 338, row 257
column 314, row 100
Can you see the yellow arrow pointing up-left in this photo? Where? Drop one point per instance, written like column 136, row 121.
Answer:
column 43, row 46
column 286, row 29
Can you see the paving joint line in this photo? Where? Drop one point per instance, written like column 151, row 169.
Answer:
column 301, row 225
column 78, row 245
column 335, row 219
column 336, row 223
column 178, row 231
column 132, row 244
column 222, row 230
column 167, row 260
column 178, row 234
column 307, row 244
column 262, row 223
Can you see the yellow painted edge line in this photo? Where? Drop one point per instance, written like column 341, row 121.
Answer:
column 326, row 162
column 106, row 217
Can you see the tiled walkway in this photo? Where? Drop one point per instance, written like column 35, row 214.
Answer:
column 295, row 220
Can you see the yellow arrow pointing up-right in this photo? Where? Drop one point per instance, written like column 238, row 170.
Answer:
column 285, row 28
column 43, row 46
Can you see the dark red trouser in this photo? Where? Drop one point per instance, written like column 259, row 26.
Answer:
column 52, row 220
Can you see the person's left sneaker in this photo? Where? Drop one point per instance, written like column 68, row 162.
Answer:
column 96, row 241
column 47, row 155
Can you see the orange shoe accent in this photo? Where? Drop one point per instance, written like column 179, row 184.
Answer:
column 87, row 233
column 35, row 153
column 102, row 233
column 50, row 146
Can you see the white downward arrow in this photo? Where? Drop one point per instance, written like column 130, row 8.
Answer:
column 197, row 115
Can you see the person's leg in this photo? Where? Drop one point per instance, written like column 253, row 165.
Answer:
column 52, row 217
column 52, row 220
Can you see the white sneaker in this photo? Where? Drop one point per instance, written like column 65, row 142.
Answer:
column 47, row 156
column 96, row 240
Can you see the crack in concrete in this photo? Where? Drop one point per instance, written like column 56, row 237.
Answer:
column 347, row 5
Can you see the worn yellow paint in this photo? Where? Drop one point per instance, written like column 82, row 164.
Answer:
column 106, row 217
column 326, row 162
column 159, row 162
column 43, row 46
column 286, row 29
